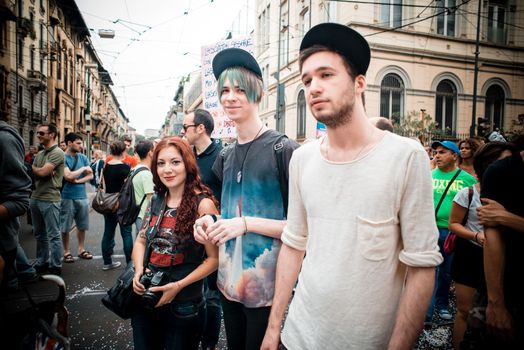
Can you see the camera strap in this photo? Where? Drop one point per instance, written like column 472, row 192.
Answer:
column 158, row 206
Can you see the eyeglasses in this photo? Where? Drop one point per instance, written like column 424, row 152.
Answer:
column 41, row 133
column 185, row 127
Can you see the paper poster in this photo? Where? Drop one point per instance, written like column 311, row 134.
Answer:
column 224, row 127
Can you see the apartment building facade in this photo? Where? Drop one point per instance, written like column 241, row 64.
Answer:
column 423, row 60
column 50, row 72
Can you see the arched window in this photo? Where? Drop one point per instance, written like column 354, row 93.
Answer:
column 392, row 97
column 301, row 115
column 445, row 106
column 495, row 98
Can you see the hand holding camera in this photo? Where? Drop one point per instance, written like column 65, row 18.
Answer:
column 157, row 291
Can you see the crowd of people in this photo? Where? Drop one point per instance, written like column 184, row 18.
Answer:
column 341, row 232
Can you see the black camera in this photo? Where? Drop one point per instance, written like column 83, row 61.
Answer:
column 152, row 279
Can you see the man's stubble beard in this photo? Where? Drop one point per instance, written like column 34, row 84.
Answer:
column 339, row 117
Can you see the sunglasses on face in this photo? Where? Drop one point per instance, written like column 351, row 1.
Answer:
column 41, row 133
column 185, row 127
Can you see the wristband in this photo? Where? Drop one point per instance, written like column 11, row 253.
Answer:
column 476, row 235
column 245, row 225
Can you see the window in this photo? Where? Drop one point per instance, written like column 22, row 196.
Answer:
column 301, row 120
column 20, row 51
column 330, row 11
column 495, row 100
column 265, row 98
column 304, row 22
column 65, row 71
column 446, row 17
column 445, row 106
column 58, row 61
column 32, row 58
column 497, row 16
column 32, row 102
column 71, row 75
column 284, row 34
column 3, row 35
column 263, row 24
column 392, row 97
column 20, row 99
column 391, row 13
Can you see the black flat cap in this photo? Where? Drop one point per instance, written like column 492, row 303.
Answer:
column 234, row 57
column 346, row 41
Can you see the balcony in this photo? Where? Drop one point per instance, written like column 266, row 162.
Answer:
column 7, row 10
column 35, row 74
column 36, row 80
column 55, row 47
column 36, row 117
column 26, row 28
column 43, row 48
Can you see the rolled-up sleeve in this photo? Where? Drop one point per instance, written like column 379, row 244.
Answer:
column 417, row 218
column 295, row 232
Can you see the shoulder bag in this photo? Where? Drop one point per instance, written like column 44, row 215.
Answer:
column 121, row 298
column 103, row 202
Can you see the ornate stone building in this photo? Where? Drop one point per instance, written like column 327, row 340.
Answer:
column 423, row 59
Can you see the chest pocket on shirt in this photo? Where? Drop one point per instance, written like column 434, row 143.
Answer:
column 377, row 239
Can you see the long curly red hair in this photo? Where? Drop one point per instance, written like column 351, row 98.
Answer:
column 187, row 212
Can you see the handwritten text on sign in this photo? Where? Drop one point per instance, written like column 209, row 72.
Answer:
column 224, row 127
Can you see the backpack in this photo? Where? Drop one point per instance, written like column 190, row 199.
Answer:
column 96, row 168
column 128, row 209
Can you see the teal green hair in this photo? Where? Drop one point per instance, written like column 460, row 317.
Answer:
column 245, row 79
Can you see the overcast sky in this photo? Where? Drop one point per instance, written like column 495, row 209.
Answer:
column 156, row 43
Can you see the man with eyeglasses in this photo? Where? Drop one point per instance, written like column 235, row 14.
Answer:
column 48, row 168
column 197, row 128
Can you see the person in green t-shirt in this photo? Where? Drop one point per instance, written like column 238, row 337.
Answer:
column 48, row 168
column 446, row 157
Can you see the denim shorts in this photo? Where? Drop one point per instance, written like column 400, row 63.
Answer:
column 77, row 209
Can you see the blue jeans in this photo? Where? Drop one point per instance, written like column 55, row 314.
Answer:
column 46, row 228
column 108, row 240
column 214, row 316
column 440, row 299
column 138, row 225
column 23, row 269
column 176, row 326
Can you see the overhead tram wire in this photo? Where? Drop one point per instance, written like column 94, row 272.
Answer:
column 387, row 3
column 454, row 8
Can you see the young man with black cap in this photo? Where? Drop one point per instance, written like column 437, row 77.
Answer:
column 253, row 212
column 359, row 209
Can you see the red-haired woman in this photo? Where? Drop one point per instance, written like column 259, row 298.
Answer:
column 171, row 315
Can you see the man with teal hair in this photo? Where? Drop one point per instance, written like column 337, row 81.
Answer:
column 253, row 209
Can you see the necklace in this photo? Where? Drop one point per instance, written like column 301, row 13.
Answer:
column 359, row 151
column 239, row 174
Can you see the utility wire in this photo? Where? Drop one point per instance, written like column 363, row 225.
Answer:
column 454, row 9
